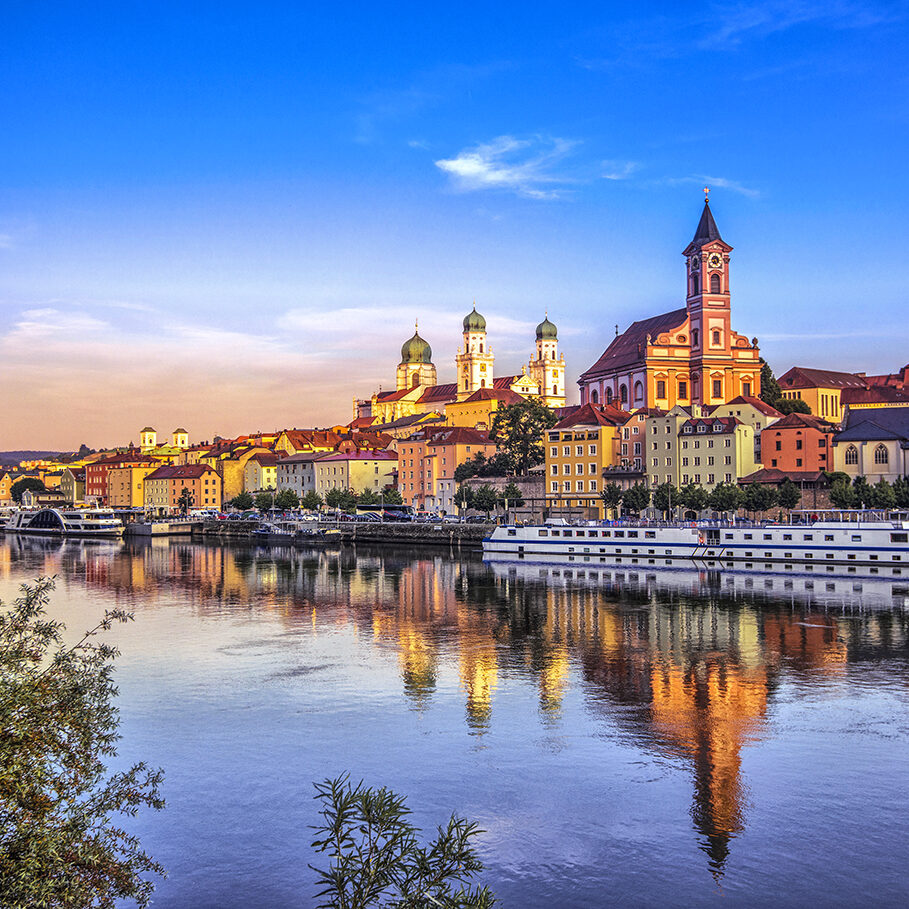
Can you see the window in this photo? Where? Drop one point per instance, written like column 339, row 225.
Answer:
column 716, row 338
column 881, row 455
column 779, row 445
column 591, row 449
column 746, row 389
column 593, row 488
column 566, row 451
column 717, row 388
column 595, row 396
column 661, row 389
column 715, row 289
column 694, row 338
column 592, row 468
column 580, row 486
column 623, row 394
column 851, row 455
column 683, row 389
column 579, row 450
column 553, row 453
column 554, row 469
column 638, row 391
column 798, row 444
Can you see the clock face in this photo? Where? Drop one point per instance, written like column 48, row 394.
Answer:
column 715, row 260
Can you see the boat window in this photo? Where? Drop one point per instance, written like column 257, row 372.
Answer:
column 632, row 533
column 592, row 533
column 566, row 533
column 749, row 536
column 620, row 533
column 856, row 538
column 828, row 536
column 512, row 532
column 808, row 536
column 650, row 535
column 899, row 537
column 787, row 536
column 543, row 533
column 767, row 536
column 607, row 533
column 556, row 533
column 728, row 536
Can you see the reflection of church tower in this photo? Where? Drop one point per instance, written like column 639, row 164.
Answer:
column 416, row 366
column 547, row 368
column 475, row 360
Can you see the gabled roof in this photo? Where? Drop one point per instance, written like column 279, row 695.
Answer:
column 707, row 231
column 728, row 424
column 304, row 457
column 881, row 423
column 413, row 419
column 265, row 459
column 759, row 405
column 803, row 377
column 180, row 472
column 505, row 395
column 628, row 347
column 876, row 394
column 383, row 455
column 594, row 415
column 771, row 476
column 801, row 421
column 460, row 435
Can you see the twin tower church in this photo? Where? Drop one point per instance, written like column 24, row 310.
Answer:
column 689, row 356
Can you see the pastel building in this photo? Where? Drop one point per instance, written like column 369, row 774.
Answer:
column 798, row 442
column 373, row 470
column 261, row 472
column 874, row 444
column 164, row 487
column 688, row 356
column 126, row 484
column 820, row 389
column 72, row 485
column 298, row 472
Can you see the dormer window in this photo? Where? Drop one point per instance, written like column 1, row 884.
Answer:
column 687, row 429
column 702, row 428
column 717, row 427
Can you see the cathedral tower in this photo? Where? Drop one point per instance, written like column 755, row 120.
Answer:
column 475, row 360
column 547, row 368
column 416, row 366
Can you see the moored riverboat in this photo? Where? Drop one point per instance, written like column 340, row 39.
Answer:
column 869, row 538
column 76, row 522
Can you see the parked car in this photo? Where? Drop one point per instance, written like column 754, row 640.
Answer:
column 478, row 519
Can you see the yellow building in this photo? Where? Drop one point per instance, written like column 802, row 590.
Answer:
column 479, row 410
column 578, row 450
column 6, row 485
column 372, row 470
column 261, row 472
column 820, row 389
column 126, row 485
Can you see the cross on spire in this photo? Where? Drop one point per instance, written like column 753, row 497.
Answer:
column 706, row 195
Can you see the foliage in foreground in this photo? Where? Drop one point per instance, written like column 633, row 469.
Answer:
column 377, row 861
column 60, row 845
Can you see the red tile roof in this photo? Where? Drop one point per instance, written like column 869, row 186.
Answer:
column 628, row 347
column 440, row 393
column 802, row 377
column 877, row 394
column 459, row 435
column 505, row 395
column 801, row 421
column 181, row 472
column 759, row 405
column 594, row 415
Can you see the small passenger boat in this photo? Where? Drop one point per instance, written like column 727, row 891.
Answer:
column 76, row 522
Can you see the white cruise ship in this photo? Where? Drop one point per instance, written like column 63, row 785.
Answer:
column 832, row 539
column 76, row 522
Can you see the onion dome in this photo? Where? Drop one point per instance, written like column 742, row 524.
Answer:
column 546, row 331
column 474, row 321
column 416, row 350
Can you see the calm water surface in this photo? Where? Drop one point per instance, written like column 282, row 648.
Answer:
column 624, row 737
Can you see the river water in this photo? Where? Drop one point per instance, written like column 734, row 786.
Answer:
column 624, row 737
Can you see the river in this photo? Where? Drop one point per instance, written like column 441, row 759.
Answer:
column 623, row 737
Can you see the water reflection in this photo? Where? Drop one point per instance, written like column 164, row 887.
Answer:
column 684, row 663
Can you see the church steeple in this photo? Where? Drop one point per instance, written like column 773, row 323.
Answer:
column 707, row 230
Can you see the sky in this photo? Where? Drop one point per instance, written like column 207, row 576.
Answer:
column 227, row 217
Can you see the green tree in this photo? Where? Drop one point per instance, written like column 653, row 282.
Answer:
column 636, row 498
column 485, row 499
column 464, row 496
column 882, row 495
column 393, row 497
column 792, row 405
column 694, row 497
column 311, row 501
column 758, row 498
column 725, row 497
column 665, row 498
column 518, row 430
column 511, row 496
column 470, row 468
column 788, row 494
column 243, row 501
column 863, row 493
column 841, row 494
column 376, row 858
column 287, row 500
column 770, row 388
column 186, row 500
column 611, row 496
column 264, row 500
column 901, row 492
column 61, row 844
column 20, row 486
column 342, row 499
column 368, row 497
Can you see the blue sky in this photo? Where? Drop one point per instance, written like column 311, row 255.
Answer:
column 227, row 217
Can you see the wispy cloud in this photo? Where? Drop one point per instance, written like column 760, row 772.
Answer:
column 526, row 167
column 619, row 170
column 715, row 183
column 6, row 241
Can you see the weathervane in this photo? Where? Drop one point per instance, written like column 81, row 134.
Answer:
column 706, row 195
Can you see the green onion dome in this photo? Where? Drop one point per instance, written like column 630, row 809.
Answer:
column 416, row 350
column 474, row 321
column 546, row 331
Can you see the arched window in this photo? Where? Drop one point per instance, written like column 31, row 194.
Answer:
column 594, row 397
column 623, row 394
column 881, row 456
column 716, row 339
column 482, row 383
column 638, row 391
column 481, row 347
column 852, row 455
column 694, row 338
column 714, row 284
column 555, row 389
column 608, row 395
column 695, row 284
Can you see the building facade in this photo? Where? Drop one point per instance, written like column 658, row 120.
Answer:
column 874, row 444
column 798, row 442
column 165, row 486
column 820, row 389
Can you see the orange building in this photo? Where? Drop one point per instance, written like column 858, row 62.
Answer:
column 688, row 356
column 96, row 473
column 164, row 486
column 798, row 442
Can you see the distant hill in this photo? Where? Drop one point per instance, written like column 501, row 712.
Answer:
column 10, row 458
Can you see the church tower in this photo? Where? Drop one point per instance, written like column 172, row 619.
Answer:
column 475, row 360
column 708, row 305
column 416, row 366
column 547, row 368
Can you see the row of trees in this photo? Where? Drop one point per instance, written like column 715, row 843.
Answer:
column 339, row 499
column 487, row 499
column 724, row 497
column 859, row 493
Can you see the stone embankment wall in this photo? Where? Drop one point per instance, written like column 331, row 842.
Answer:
column 464, row 535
